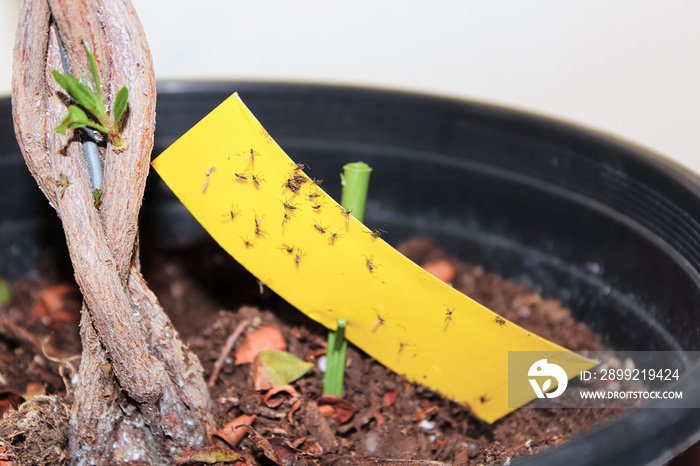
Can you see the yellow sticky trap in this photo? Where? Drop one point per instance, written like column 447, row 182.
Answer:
column 274, row 220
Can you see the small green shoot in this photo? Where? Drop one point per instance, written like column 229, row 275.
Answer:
column 335, row 361
column 91, row 101
column 97, row 197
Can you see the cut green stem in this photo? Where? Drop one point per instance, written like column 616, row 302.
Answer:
column 335, row 361
column 355, row 182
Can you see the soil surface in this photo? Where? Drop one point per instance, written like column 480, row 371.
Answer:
column 208, row 295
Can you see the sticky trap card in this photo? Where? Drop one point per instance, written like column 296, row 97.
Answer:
column 262, row 208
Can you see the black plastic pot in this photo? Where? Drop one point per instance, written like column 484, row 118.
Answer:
column 609, row 228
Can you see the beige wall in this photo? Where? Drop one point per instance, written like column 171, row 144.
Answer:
column 626, row 67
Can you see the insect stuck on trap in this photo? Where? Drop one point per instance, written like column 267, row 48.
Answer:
column 288, row 249
column 345, row 213
column 259, row 232
column 257, row 179
column 297, row 257
column 369, row 263
column 289, row 206
column 231, row 215
column 333, row 237
column 291, row 185
column 251, row 154
column 316, row 207
column 448, row 316
column 242, row 177
column 376, row 233
column 320, row 229
column 377, row 323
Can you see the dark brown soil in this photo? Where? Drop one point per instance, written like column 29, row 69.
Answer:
column 207, row 295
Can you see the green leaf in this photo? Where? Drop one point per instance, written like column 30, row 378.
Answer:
column 120, row 104
column 93, row 68
column 60, row 79
column 97, row 197
column 82, row 94
column 276, row 368
column 5, row 291
column 77, row 118
column 95, row 75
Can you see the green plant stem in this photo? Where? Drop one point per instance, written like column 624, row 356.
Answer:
column 335, row 360
column 355, row 182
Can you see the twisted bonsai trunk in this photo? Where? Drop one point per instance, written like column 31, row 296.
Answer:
column 140, row 394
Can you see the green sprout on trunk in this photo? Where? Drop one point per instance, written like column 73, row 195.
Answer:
column 91, row 101
column 355, row 182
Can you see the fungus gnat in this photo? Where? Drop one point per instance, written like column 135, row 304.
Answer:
column 376, row 233
column 252, row 154
column 377, row 323
column 288, row 249
column 289, row 206
column 257, row 179
column 345, row 213
column 292, row 186
column 298, row 179
column 333, row 237
column 448, row 316
column 258, row 231
column 297, row 257
column 231, row 214
column 369, row 262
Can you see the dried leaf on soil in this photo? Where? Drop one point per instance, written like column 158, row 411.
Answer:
column 263, row 444
column 58, row 305
column 335, row 407
column 34, row 389
column 9, row 399
column 266, row 338
column 235, row 430
column 276, row 368
column 276, row 396
column 207, row 455
column 390, row 396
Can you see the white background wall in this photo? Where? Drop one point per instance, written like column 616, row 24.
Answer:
column 630, row 68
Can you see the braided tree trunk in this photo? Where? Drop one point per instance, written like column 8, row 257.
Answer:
column 140, row 394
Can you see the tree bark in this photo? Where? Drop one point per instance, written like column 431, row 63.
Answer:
column 140, row 394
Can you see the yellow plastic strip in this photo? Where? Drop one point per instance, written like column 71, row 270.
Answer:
column 274, row 220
